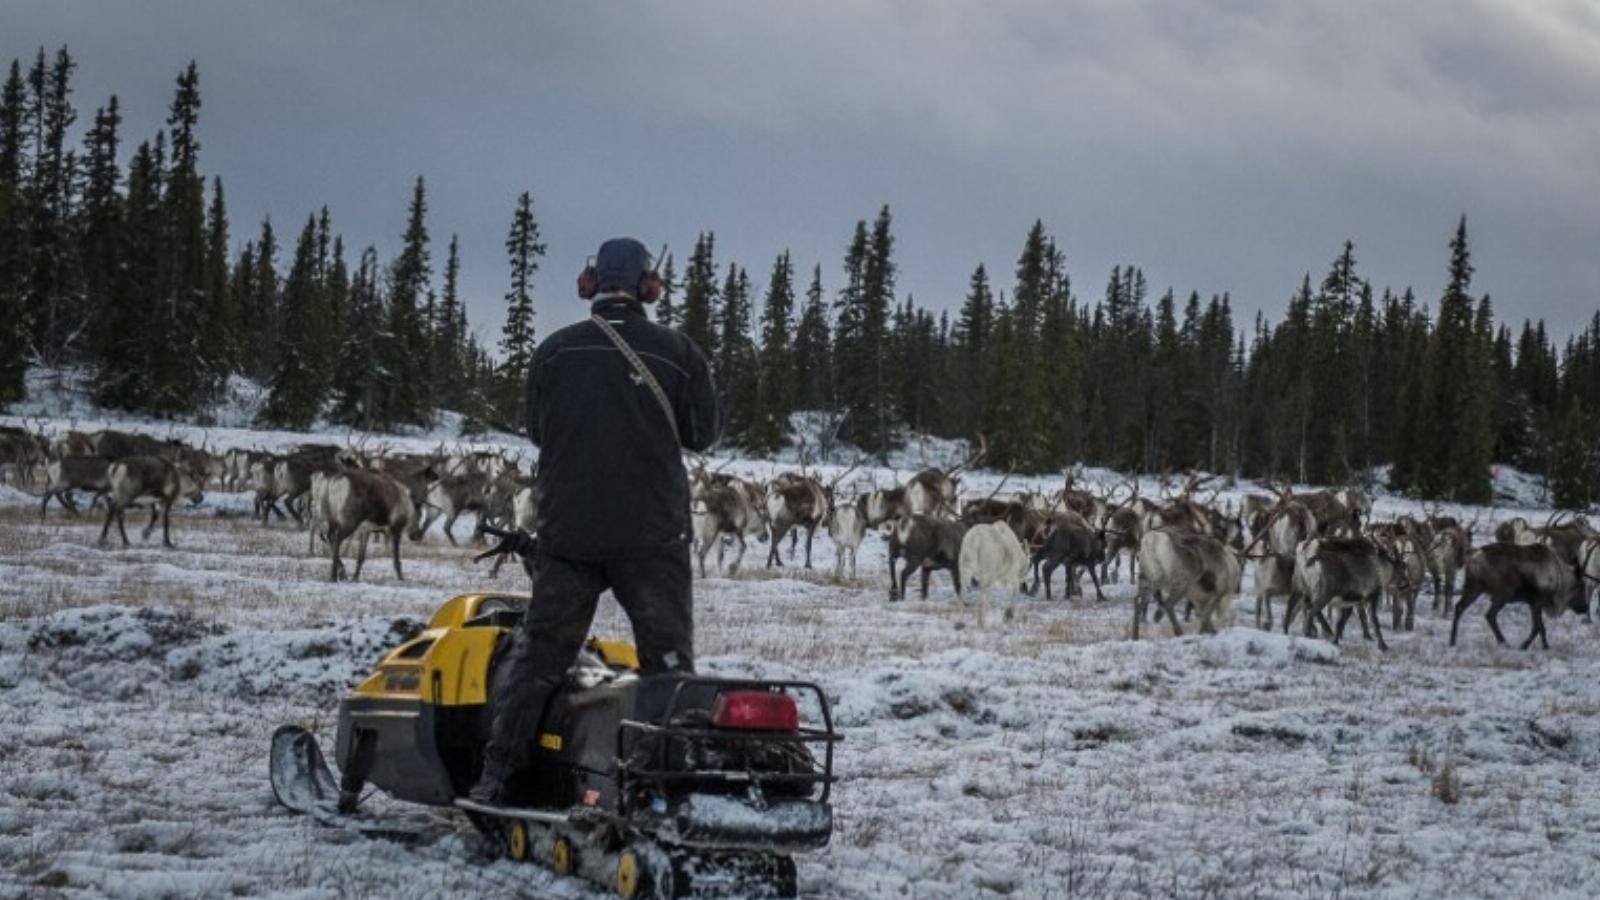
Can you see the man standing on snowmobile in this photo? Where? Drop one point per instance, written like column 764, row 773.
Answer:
column 611, row 401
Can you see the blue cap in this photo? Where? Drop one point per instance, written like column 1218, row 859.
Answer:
column 621, row 264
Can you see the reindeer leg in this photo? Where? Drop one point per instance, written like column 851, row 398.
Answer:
column 1455, row 623
column 122, row 524
column 1537, row 628
column 1377, row 629
column 106, row 529
column 1493, row 615
column 740, row 557
column 449, row 523
column 955, row 575
column 361, row 553
column 1170, row 607
column 925, row 573
column 166, row 524
column 334, row 539
column 811, row 532
column 155, row 516
column 394, row 547
column 1095, row 580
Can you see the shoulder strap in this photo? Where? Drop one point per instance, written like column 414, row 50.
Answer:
column 644, row 374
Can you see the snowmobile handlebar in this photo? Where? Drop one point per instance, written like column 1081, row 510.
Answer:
column 512, row 541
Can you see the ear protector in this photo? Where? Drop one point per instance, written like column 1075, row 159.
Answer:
column 648, row 290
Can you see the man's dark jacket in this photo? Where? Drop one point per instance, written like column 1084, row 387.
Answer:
column 611, row 478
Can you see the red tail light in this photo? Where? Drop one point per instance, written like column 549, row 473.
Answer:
column 755, row 711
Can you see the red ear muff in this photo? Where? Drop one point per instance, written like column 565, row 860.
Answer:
column 650, row 287
column 588, row 283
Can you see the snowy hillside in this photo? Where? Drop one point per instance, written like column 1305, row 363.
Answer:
column 1043, row 757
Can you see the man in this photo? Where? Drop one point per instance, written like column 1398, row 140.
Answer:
column 614, row 496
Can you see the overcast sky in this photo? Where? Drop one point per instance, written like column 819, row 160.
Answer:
column 1222, row 145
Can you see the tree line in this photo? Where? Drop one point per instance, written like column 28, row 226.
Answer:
column 131, row 274
column 1350, row 381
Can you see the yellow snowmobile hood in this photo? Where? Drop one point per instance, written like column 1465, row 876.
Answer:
column 448, row 663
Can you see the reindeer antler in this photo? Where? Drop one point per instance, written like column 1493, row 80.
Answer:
column 974, row 458
column 841, row 476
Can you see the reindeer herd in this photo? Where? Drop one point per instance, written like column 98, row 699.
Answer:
column 1320, row 553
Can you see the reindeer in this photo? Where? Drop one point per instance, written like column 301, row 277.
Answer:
column 1346, row 574
column 847, row 527
column 133, row 477
column 1286, row 526
column 886, row 505
column 263, row 477
column 72, row 443
column 1124, row 529
column 926, row 543
column 74, row 473
column 450, row 496
column 794, row 502
column 1069, row 541
column 1519, row 573
column 356, row 499
column 1179, row 565
column 114, row 445
column 1410, row 568
column 933, row 490
column 992, row 558
column 23, row 451
column 721, row 510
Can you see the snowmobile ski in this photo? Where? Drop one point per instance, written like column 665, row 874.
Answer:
column 303, row 784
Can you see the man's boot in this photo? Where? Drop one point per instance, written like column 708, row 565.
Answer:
column 490, row 788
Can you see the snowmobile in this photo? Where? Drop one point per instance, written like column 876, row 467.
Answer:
column 659, row 787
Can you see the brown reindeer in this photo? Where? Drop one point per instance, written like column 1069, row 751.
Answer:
column 147, row 476
column 926, row 543
column 356, row 500
column 74, row 473
column 1519, row 573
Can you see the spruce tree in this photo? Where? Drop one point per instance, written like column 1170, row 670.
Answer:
column 133, row 329
column 100, row 216
column 403, row 346
column 974, row 325
column 861, row 342
column 735, row 361
column 357, row 383
column 447, row 357
column 776, row 383
column 298, row 384
column 516, row 342
column 813, row 356
column 261, row 310
column 14, row 318
column 697, row 316
column 1454, row 427
column 52, row 294
column 223, row 327
column 1575, row 483
column 189, row 374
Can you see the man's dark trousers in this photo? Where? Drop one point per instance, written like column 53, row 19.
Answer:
column 653, row 589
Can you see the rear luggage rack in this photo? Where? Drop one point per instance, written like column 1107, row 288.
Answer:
column 658, row 737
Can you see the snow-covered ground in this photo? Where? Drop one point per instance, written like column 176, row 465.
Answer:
column 1044, row 757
